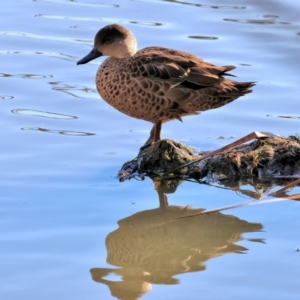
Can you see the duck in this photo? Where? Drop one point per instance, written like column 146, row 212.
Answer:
column 158, row 84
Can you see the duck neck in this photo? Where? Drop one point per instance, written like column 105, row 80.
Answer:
column 129, row 47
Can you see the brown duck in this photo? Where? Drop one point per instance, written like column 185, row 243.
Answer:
column 158, row 84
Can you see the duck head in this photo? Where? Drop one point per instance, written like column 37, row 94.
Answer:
column 114, row 41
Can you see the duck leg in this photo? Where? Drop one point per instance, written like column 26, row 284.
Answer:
column 157, row 129
column 154, row 135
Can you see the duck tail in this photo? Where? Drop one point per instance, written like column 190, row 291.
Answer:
column 244, row 87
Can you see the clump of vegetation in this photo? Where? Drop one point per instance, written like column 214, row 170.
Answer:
column 266, row 156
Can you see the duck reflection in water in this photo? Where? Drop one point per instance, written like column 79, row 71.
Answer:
column 153, row 246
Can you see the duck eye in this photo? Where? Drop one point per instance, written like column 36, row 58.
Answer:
column 107, row 39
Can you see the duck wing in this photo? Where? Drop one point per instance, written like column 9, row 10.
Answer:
column 181, row 69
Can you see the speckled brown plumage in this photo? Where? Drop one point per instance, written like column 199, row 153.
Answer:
column 158, row 84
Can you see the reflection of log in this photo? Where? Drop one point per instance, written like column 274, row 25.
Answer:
column 264, row 157
column 254, row 187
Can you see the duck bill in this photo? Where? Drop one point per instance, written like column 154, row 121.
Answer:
column 92, row 55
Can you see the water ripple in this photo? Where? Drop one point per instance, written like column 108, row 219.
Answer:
column 43, row 114
column 51, row 54
column 46, row 37
column 268, row 20
column 147, row 23
column 57, row 17
column 201, row 37
column 77, row 3
column 285, row 117
column 74, row 90
column 27, row 76
column 2, row 97
column 64, row 132
column 207, row 6
column 89, row 19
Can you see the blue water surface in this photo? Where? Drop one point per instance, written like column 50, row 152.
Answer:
column 62, row 146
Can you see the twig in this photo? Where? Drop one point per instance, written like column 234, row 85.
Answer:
column 288, row 186
column 278, row 194
column 209, row 211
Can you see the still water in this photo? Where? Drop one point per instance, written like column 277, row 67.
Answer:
column 69, row 229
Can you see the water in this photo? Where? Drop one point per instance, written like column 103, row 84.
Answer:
column 60, row 199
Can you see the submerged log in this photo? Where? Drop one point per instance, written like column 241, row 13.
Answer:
column 267, row 156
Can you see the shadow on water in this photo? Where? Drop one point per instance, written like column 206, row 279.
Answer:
column 153, row 246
